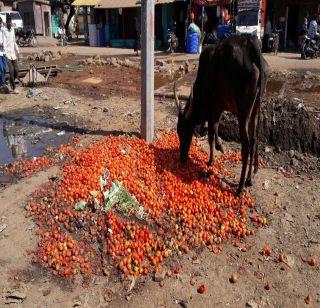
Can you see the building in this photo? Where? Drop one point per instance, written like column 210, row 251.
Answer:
column 36, row 15
column 114, row 22
column 288, row 15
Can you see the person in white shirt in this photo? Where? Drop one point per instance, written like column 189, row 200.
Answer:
column 3, row 62
column 11, row 50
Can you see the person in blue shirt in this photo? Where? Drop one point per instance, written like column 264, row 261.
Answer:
column 313, row 29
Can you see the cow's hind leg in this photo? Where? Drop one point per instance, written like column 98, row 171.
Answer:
column 218, row 142
column 256, row 151
column 253, row 140
column 245, row 145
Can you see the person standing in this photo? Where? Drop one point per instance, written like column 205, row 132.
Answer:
column 11, row 51
column 3, row 62
column 77, row 28
column 313, row 29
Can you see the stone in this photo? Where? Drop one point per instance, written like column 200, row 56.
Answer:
column 15, row 297
column 159, row 276
column 291, row 153
column 266, row 185
column 105, row 109
column 277, row 149
column 89, row 61
column 47, row 58
column 108, row 295
column 288, row 217
column 160, row 62
column 294, row 162
column 251, row 304
column 290, row 261
column 268, row 149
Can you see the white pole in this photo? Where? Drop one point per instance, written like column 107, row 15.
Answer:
column 147, row 70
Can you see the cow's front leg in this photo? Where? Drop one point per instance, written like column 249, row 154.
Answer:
column 218, row 141
column 211, row 135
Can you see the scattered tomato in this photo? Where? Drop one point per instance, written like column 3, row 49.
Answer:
column 268, row 286
column 233, row 278
column 201, row 289
column 308, row 300
column 313, row 261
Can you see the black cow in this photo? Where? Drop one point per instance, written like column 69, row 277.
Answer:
column 231, row 77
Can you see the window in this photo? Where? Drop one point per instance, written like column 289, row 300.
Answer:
column 15, row 16
column 248, row 18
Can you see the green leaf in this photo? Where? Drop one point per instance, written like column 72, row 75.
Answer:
column 96, row 203
column 81, row 205
column 94, row 193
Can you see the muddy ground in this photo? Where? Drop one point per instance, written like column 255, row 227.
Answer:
column 286, row 192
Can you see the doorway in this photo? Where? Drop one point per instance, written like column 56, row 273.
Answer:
column 46, row 24
column 292, row 27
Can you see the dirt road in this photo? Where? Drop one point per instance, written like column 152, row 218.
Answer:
column 285, row 195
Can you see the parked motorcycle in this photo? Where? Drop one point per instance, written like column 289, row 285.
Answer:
column 273, row 42
column 26, row 38
column 310, row 48
column 173, row 41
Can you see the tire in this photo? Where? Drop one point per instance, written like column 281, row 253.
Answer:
column 20, row 42
column 34, row 42
column 303, row 51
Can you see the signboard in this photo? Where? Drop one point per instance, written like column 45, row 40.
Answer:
column 248, row 4
column 212, row 2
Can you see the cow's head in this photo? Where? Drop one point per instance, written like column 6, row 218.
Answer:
column 185, row 126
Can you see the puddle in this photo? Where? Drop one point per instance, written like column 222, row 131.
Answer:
column 26, row 136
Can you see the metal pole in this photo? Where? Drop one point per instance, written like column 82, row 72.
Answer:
column 147, row 70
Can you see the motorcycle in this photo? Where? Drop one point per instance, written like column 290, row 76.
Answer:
column 26, row 38
column 273, row 42
column 310, row 49
column 173, row 41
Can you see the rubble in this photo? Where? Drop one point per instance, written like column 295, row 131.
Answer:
column 45, row 56
column 115, row 62
column 166, row 68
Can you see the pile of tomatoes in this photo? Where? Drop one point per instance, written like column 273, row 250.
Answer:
column 183, row 208
column 26, row 167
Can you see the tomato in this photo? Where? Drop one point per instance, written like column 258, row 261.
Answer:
column 201, row 289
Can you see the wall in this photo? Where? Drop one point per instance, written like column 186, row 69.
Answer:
column 38, row 18
column 27, row 14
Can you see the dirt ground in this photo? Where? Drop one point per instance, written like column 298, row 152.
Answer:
column 289, row 200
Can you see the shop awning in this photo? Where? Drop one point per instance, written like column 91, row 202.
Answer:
column 116, row 4
column 85, row 2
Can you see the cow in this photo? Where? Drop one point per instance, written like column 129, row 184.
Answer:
column 231, row 77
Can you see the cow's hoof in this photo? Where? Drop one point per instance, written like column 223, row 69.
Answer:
column 210, row 163
column 248, row 182
column 239, row 191
column 220, row 147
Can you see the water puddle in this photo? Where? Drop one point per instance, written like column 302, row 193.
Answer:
column 26, row 136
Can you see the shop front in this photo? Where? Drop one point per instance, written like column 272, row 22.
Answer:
column 117, row 23
column 288, row 16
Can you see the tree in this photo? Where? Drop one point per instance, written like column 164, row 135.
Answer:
column 67, row 8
